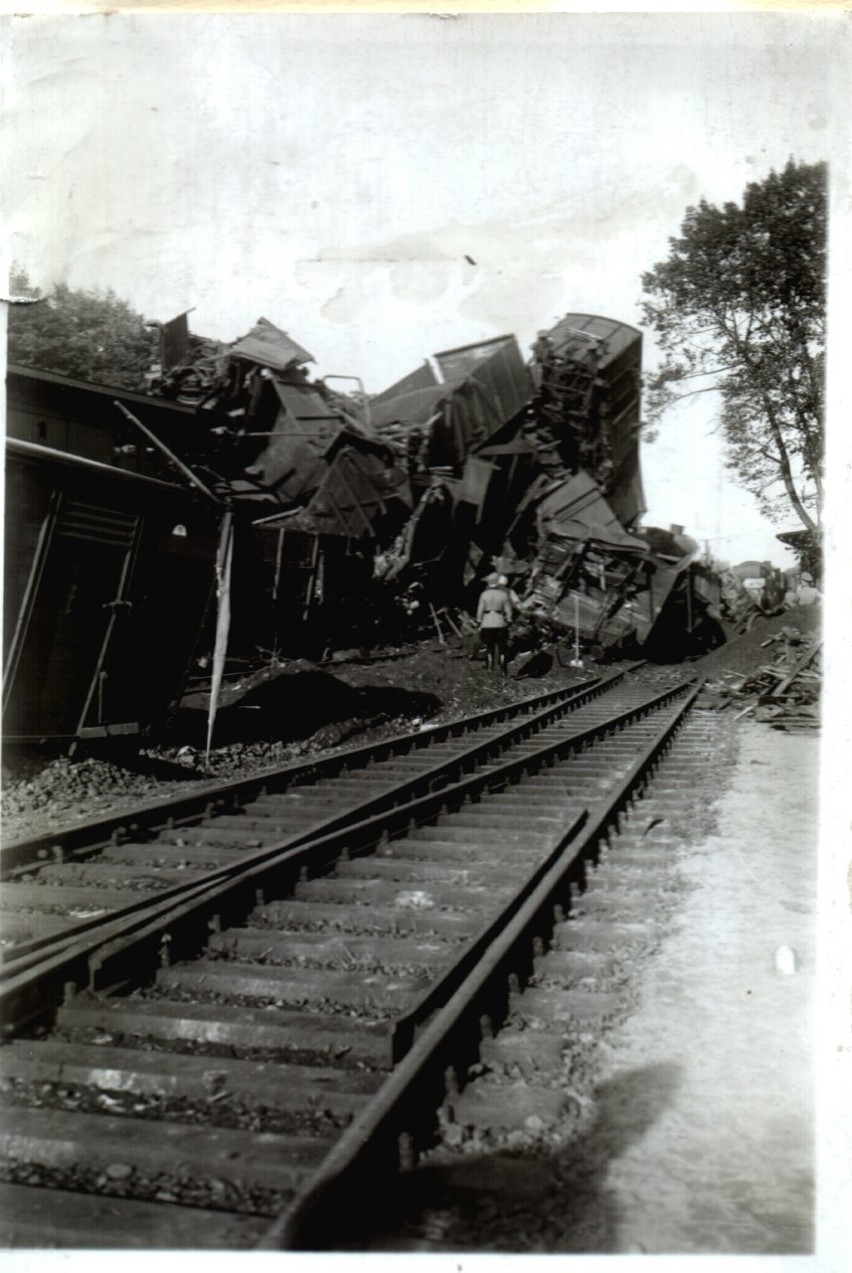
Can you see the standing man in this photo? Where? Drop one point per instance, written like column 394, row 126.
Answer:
column 806, row 594
column 494, row 615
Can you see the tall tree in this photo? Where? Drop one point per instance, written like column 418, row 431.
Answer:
column 739, row 308
column 89, row 335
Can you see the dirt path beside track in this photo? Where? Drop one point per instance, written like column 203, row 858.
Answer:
column 727, row 1016
column 696, row 1132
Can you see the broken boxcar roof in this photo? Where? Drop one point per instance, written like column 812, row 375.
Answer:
column 416, row 407
column 269, row 346
column 618, row 336
column 353, row 493
column 459, row 363
column 576, row 510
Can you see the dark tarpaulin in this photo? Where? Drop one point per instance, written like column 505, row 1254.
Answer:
column 269, row 346
column 295, row 460
column 290, row 468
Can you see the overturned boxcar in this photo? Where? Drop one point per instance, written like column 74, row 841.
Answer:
column 108, row 576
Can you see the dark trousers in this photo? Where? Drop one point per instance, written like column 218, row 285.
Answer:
column 495, row 641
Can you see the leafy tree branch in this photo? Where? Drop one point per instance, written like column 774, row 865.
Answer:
column 89, row 335
column 741, row 301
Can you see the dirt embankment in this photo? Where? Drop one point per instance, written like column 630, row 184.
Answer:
column 268, row 716
column 273, row 715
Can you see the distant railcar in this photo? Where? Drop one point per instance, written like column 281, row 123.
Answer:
column 108, row 576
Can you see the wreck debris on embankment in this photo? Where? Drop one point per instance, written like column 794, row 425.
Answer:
column 356, row 513
column 346, row 520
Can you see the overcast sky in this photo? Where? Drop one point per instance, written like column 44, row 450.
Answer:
column 334, row 173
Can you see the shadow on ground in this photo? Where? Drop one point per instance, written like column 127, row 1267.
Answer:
column 294, row 706
column 538, row 1201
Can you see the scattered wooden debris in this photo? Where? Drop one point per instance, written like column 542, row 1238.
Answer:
column 784, row 692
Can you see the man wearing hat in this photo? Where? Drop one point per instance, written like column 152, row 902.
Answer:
column 806, row 594
column 494, row 615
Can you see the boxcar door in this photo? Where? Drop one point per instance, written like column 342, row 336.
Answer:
column 76, row 613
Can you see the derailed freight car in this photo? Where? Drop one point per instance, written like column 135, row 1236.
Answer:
column 547, row 489
column 339, row 507
column 108, row 578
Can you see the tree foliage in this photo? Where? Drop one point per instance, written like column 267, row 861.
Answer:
column 739, row 308
column 89, row 335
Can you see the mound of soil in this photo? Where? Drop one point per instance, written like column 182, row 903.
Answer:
column 273, row 714
column 267, row 716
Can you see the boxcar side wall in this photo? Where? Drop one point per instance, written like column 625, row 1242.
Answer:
column 107, row 579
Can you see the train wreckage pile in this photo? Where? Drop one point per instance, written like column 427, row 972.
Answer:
column 349, row 511
column 785, row 691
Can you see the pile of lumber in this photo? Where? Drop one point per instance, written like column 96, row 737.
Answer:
column 784, row 692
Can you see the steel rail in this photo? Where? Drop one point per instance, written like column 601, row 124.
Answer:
column 91, row 834
column 441, row 773
column 400, row 1118
column 115, row 951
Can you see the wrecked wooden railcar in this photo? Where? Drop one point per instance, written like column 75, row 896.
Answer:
column 109, row 555
column 441, row 416
column 588, row 572
column 586, row 371
column 549, row 483
column 341, row 508
column 444, row 418
column 108, row 577
column 115, row 506
column 82, row 419
column 319, row 558
column 616, row 590
column 494, row 425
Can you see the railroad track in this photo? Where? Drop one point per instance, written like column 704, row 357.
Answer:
column 68, row 883
column 223, row 1069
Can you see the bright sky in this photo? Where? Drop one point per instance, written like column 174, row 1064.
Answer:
column 332, row 174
